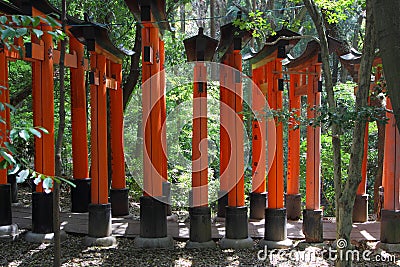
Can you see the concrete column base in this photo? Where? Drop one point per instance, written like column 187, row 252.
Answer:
column 108, row 241
column 42, row 213
column 100, row 220
column 258, row 203
column 200, row 224
column 119, row 202
column 80, row 195
column 226, row 243
column 9, row 232
column 275, row 235
column 360, row 209
column 312, row 226
column 236, row 229
column 390, row 226
column 43, row 238
column 390, row 248
column 12, row 180
column 293, row 207
column 153, row 218
column 208, row 244
column 5, row 205
column 287, row 243
column 160, row 242
column 222, row 203
column 166, row 189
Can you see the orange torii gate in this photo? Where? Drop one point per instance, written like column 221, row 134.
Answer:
column 267, row 72
column 104, row 78
column 231, row 196
column 200, row 48
column 153, row 212
column 43, row 55
column 305, row 74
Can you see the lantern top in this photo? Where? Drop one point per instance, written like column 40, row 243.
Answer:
column 200, row 47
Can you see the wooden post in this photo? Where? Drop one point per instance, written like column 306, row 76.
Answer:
column 163, row 104
column 3, row 113
column 293, row 197
column 152, row 158
column 99, row 131
column 199, row 140
column 79, row 114
column 313, row 166
column 117, row 130
column 258, row 136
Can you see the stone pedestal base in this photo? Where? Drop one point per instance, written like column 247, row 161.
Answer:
column 287, row 243
column 100, row 220
column 9, row 232
column 258, row 203
column 119, row 202
column 108, row 241
column 390, row 227
column 236, row 229
column 312, row 226
column 12, row 180
column 43, row 238
column 166, row 189
column 80, row 195
column 153, row 218
column 161, row 242
column 293, row 207
column 42, row 213
column 275, row 235
column 200, row 224
column 222, row 203
column 5, row 205
column 360, row 210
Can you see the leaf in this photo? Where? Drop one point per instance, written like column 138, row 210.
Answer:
column 24, row 135
column 52, row 22
column 10, row 159
column 37, row 180
column 67, row 181
column 16, row 20
column 3, row 19
column 15, row 169
column 3, row 164
column 37, row 32
column 7, row 33
column 43, row 129
column 22, row 175
column 35, row 132
column 47, row 183
column 26, row 20
column 35, row 21
column 21, row 32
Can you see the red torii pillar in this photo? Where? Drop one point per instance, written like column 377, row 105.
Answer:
column 119, row 191
column 225, row 146
column 200, row 48
column 153, row 211
column 312, row 215
column 391, row 178
column 7, row 228
column 293, row 197
column 258, row 196
column 236, row 220
column 100, row 208
column 43, row 116
column 80, row 195
column 275, row 215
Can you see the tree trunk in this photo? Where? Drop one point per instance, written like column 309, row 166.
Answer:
column 387, row 35
column 182, row 17
column 134, row 70
column 378, row 101
column 212, row 20
column 58, row 148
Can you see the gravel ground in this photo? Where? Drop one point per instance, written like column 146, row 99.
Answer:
column 74, row 253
